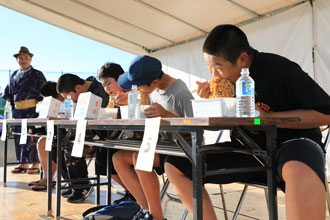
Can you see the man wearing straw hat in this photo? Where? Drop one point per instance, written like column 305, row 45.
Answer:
column 23, row 92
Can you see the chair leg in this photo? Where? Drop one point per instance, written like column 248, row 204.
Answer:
column 240, row 202
column 184, row 216
column 223, row 202
column 266, row 195
column 163, row 191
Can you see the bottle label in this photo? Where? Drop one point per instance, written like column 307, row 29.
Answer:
column 247, row 88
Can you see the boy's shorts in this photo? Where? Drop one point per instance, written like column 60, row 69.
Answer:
column 300, row 149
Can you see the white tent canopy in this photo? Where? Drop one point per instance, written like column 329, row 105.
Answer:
column 140, row 26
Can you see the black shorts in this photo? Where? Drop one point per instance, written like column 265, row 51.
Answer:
column 301, row 149
column 101, row 161
column 160, row 170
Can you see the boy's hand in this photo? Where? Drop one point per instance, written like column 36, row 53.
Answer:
column 155, row 110
column 203, row 89
column 262, row 113
column 121, row 99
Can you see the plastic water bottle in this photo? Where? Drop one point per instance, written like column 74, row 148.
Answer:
column 68, row 109
column 133, row 102
column 245, row 103
column 138, row 105
column 8, row 111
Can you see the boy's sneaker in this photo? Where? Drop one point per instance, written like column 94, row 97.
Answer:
column 143, row 216
column 127, row 196
column 148, row 216
column 66, row 193
column 80, row 195
column 139, row 215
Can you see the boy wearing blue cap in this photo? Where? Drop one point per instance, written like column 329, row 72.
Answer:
column 170, row 98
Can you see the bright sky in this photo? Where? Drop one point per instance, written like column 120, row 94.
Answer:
column 54, row 49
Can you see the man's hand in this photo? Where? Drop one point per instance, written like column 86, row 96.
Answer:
column 203, row 89
column 157, row 110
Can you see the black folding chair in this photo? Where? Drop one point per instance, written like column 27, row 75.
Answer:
column 246, row 185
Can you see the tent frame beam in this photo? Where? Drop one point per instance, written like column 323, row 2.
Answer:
column 249, row 21
column 119, row 20
column 85, row 24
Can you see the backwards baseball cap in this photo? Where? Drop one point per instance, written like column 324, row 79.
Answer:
column 142, row 71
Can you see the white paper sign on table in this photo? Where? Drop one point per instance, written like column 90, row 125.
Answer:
column 146, row 154
column 23, row 138
column 78, row 145
column 4, row 130
column 50, row 135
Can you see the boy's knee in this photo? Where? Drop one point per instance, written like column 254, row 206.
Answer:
column 122, row 157
column 135, row 156
column 116, row 157
column 41, row 143
column 171, row 170
column 296, row 170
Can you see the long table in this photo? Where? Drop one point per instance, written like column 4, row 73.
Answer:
column 193, row 151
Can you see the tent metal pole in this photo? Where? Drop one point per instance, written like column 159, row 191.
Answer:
column 171, row 16
column 249, row 11
column 313, row 39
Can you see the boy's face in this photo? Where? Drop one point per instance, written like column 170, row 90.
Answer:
column 219, row 67
column 24, row 60
column 110, row 85
column 149, row 89
column 74, row 95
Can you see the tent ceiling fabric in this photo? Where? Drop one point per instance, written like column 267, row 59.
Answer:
column 145, row 26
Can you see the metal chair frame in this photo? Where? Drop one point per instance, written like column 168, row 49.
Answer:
column 246, row 185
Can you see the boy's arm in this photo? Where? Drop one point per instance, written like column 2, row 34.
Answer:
column 309, row 118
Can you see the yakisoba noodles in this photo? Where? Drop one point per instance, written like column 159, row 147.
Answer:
column 144, row 100
column 221, row 88
column 110, row 104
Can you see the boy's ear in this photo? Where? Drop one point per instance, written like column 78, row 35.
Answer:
column 78, row 89
column 243, row 60
column 154, row 81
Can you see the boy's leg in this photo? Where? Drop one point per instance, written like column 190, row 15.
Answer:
column 43, row 157
column 183, row 188
column 179, row 172
column 123, row 163
column 150, row 185
column 301, row 167
column 305, row 192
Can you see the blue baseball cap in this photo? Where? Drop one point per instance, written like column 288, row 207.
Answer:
column 142, row 71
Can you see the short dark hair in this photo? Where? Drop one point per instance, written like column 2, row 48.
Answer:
column 159, row 77
column 227, row 41
column 49, row 89
column 67, row 83
column 113, row 70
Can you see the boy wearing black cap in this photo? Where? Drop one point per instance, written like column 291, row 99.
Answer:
column 170, row 98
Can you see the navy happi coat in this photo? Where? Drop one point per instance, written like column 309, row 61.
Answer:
column 25, row 87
